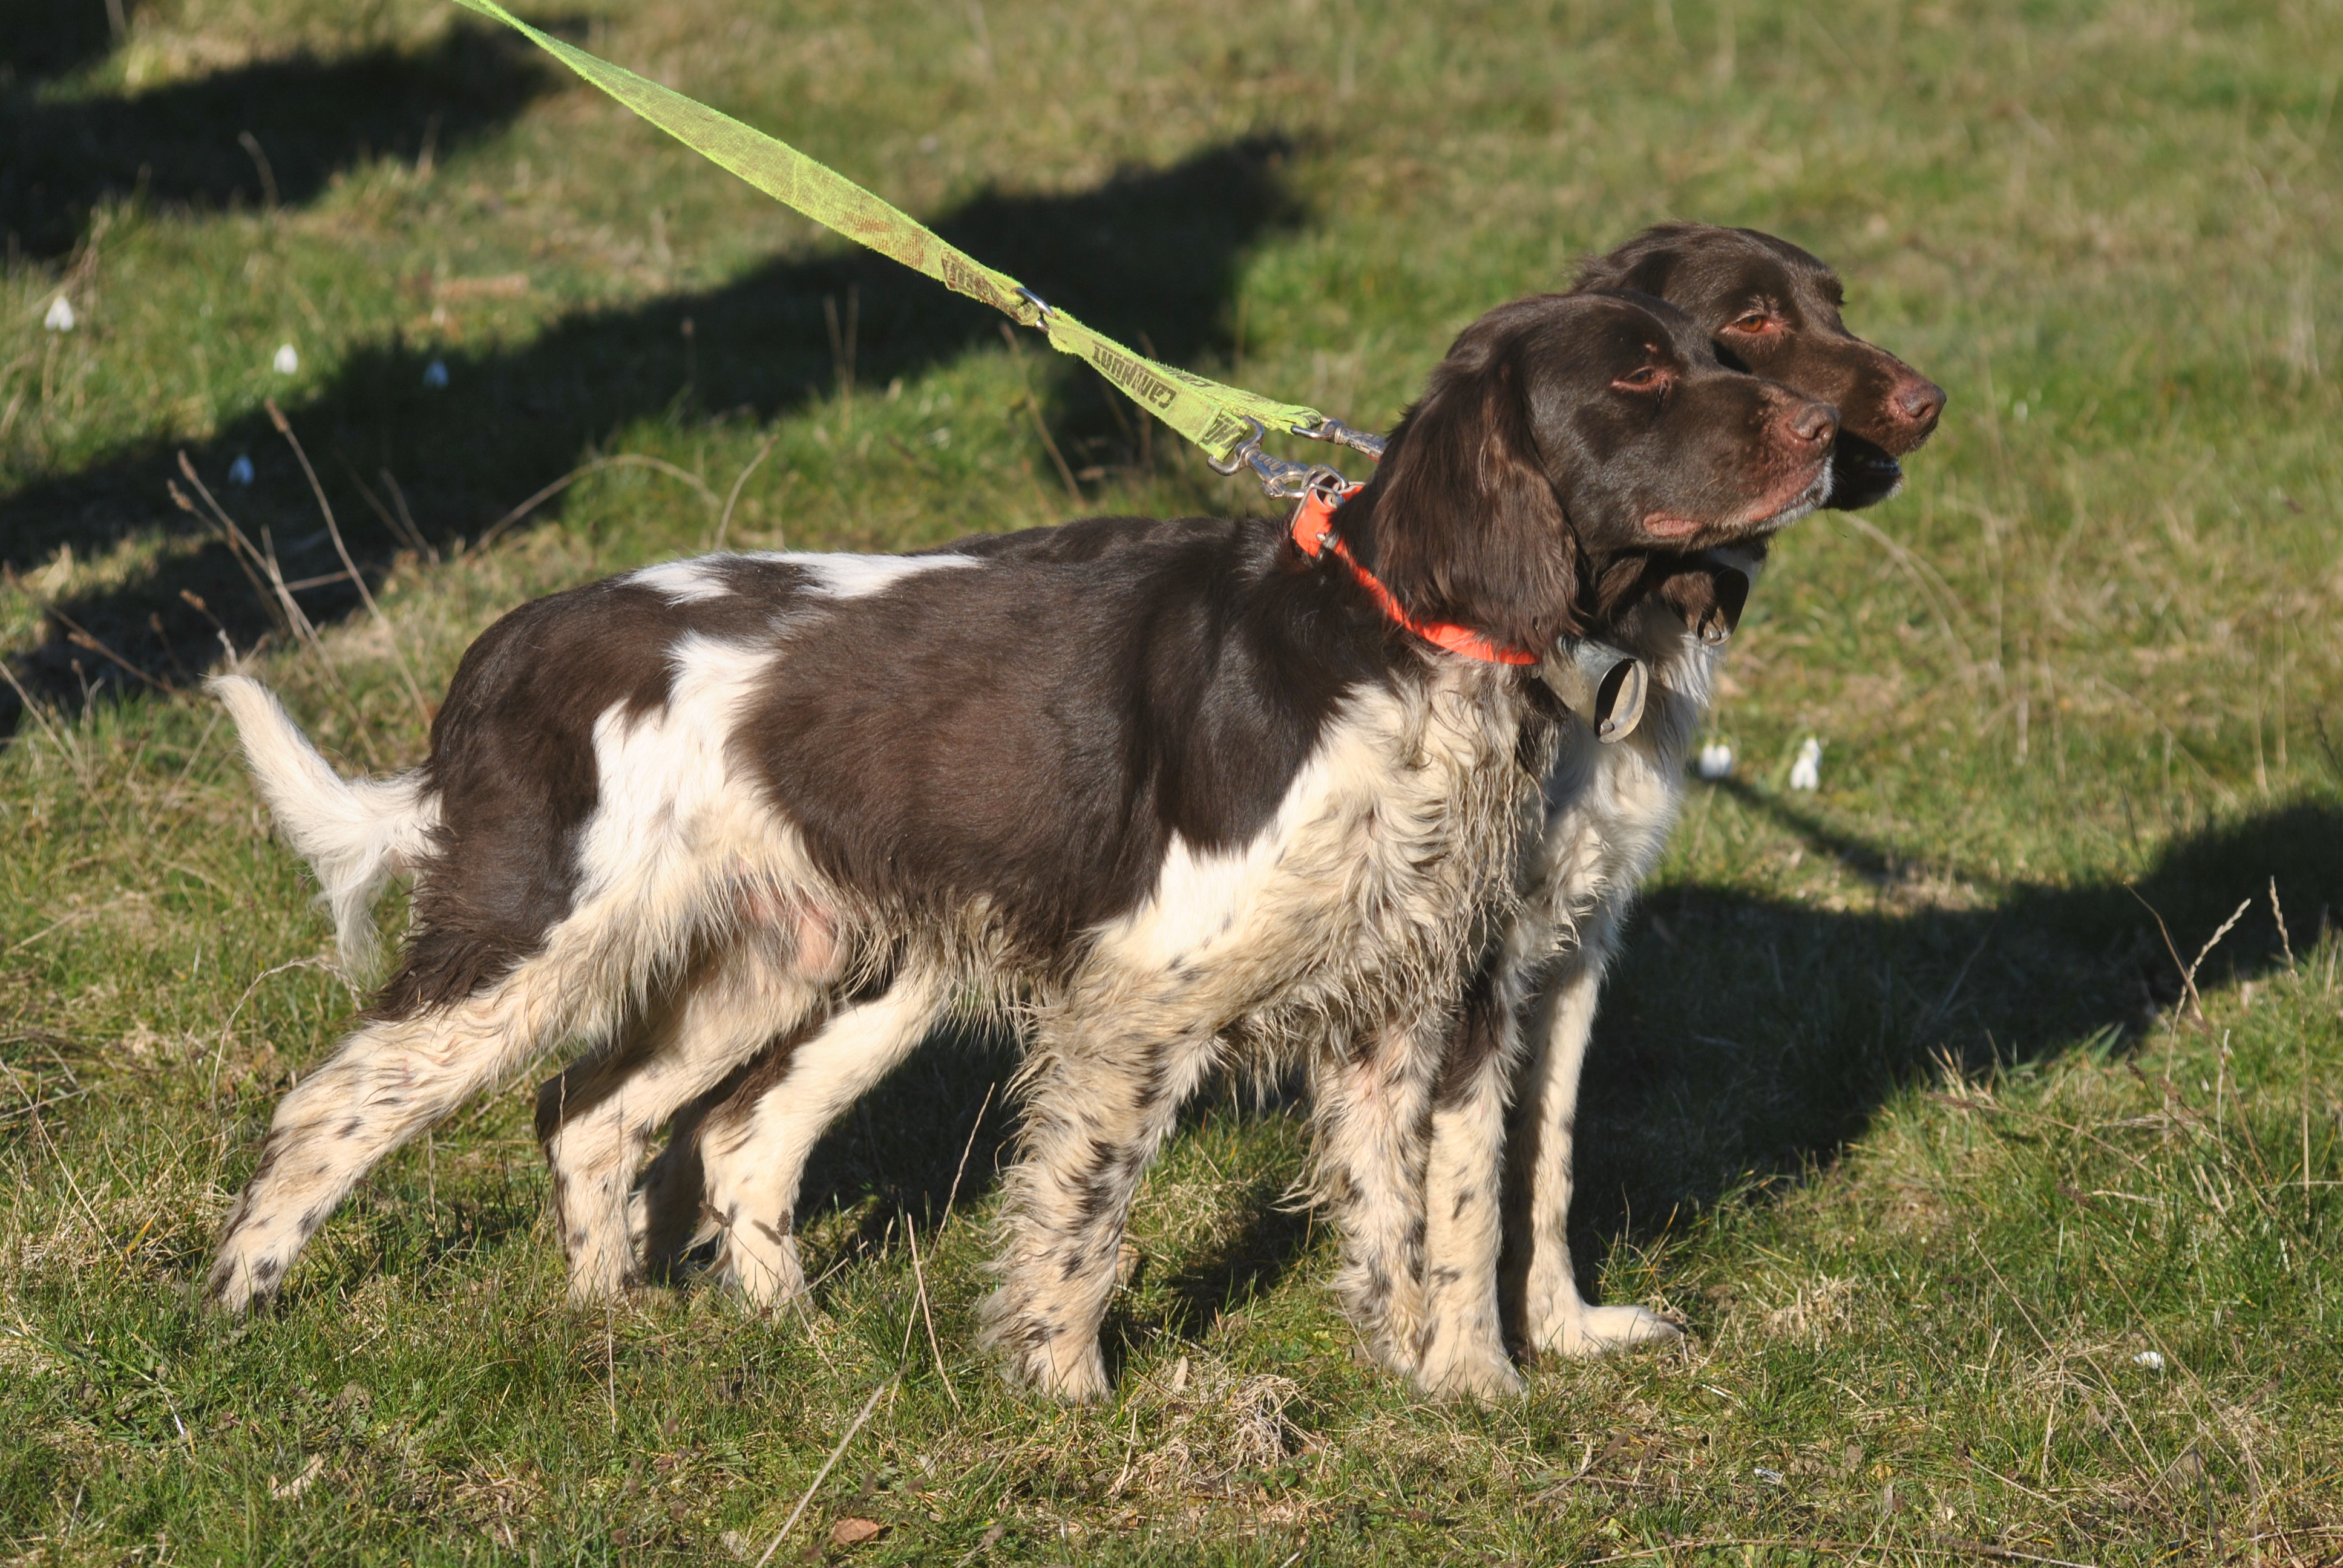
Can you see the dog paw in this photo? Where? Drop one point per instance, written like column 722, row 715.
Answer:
column 766, row 1275
column 1081, row 1380
column 1604, row 1331
column 600, row 1271
column 1466, row 1360
column 1040, row 1351
column 1483, row 1374
column 243, row 1283
column 1068, row 1373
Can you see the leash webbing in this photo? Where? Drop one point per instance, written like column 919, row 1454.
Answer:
column 1214, row 416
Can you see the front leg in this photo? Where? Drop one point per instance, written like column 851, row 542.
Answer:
column 1542, row 1287
column 1100, row 1101
column 1464, row 1344
column 1369, row 1109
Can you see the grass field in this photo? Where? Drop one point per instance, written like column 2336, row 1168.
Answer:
column 1998, row 1238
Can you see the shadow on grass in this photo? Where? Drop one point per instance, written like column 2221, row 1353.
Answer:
column 271, row 133
column 1746, row 1039
column 42, row 39
column 1150, row 257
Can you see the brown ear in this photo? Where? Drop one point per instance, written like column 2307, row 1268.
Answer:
column 1709, row 595
column 1643, row 263
column 1466, row 526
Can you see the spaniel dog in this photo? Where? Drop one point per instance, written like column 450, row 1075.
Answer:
column 1766, row 306
column 1207, row 793
column 1772, row 308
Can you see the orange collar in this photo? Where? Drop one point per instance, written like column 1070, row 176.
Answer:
column 1314, row 533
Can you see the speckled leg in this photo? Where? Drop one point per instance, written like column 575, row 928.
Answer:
column 1463, row 1342
column 753, row 1147
column 597, row 1120
column 1370, row 1106
column 1100, row 1097
column 390, row 1079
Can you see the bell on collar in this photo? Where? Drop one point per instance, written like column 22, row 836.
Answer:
column 1603, row 687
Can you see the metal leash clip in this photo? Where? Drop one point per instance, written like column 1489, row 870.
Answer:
column 1342, row 434
column 1285, row 480
column 1288, row 480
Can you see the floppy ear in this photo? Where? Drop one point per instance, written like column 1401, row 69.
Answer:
column 1643, row 263
column 1466, row 526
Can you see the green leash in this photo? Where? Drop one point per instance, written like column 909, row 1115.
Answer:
column 1227, row 422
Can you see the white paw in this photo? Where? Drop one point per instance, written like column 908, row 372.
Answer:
column 231, row 1288
column 761, row 1265
column 1464, row 1367
column 1075, row 1377
column 1040, row 1351
column 249, row 1269
column 1477, row 1377
column 591, row 1287
column 1584, row 1331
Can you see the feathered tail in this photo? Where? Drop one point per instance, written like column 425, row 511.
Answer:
column 355, row 833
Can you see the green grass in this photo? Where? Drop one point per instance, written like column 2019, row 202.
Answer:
column 1898, row 1096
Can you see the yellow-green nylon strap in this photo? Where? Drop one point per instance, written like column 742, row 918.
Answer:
column 1206, row 412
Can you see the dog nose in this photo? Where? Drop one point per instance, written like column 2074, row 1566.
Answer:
column 1918, row 403
column 1814, row 423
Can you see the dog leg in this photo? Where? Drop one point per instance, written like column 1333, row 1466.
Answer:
column 1097, row 1110
column 1370, row 1109
column 596, row 1121
column 754, row 1146
column 665, row 1212
column 1463, row 1194
column 391, row 1079
column 1554, row 1317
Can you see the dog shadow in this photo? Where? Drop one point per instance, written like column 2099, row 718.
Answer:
column 267, row 134
column 1148, row 256
column 1744, row 1041
column 41, row 40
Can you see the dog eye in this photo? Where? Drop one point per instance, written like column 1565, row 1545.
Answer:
column 1650, row 379
column 1756, row 323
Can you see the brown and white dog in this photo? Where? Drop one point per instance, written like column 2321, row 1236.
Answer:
column 1772, row 308
column 1768, row 305
column 1196, row 794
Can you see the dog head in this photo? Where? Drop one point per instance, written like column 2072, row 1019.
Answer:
column 1773, row 310
column 1563, row 443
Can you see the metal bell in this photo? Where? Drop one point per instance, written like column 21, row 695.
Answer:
column 1603, row 687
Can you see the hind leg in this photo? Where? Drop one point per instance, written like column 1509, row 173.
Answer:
column 753, row 1147
column 669, row 1199
column 597, row 1120
column 391, row 1079
column 1369, row 1109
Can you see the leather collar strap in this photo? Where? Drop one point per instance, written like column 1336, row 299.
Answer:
column 1314, row 534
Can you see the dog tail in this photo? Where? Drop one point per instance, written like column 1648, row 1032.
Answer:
column 355, row 833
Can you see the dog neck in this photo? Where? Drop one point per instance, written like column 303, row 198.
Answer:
column 1315, row 535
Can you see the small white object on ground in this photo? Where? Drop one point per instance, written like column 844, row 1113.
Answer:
column 1716, row 760
column 2152, row 1359
column 61, row 317
column 286, row 1491
column 1772, row 1476
column 287, row 360
column 435, row 375
column 1807, row 772
column 240, row 471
